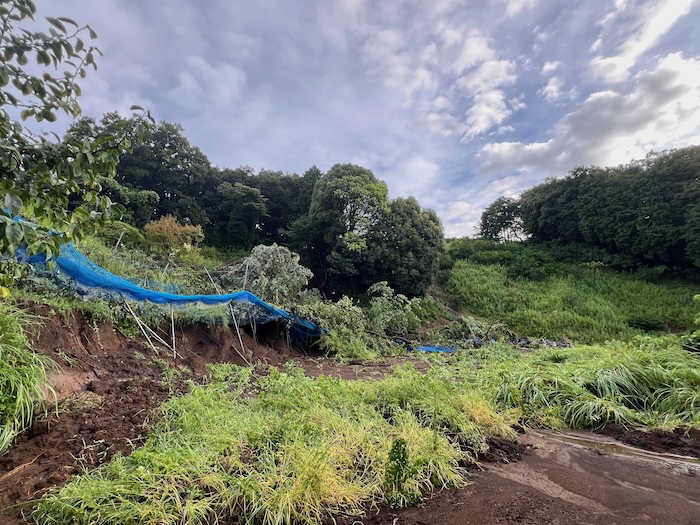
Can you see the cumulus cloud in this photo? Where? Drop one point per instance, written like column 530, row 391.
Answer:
column 487, row 110
column 550, row 66
column 612, row 127
column 513, row 7
column 475, row 50
column 489, row 75
column 552, row 91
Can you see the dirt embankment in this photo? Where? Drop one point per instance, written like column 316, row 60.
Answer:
column 108, row 387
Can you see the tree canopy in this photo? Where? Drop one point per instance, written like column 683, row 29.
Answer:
column 646, row 213
column 353, row 236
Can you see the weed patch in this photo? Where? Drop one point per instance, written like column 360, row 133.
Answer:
column 22, row 374
column 303, row 450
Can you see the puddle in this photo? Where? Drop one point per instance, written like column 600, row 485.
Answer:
column 615, row 447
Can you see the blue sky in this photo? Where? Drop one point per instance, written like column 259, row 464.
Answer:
column 453, row 102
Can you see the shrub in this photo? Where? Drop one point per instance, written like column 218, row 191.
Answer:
column 390, row 313
column 172, row 239
column 273, row 273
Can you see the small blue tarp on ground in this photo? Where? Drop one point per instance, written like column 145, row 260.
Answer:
column 436, row 349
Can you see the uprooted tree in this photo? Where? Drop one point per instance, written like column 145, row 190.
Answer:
column 52, row 181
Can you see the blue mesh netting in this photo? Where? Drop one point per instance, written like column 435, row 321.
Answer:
column 88, row 275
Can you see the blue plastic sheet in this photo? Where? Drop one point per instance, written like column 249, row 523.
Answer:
column 436, row 349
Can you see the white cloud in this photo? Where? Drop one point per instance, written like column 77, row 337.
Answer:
column 608, row 128
column 552, row 91
column 550, row 67
column 648, row 25
column 513, row 7
column 489, row 75
column 489, row 109
column 475, row 50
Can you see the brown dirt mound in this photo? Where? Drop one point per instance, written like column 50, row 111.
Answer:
column 684, row 441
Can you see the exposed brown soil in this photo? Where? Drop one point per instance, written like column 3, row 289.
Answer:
column 109, row 386
column 683, row 441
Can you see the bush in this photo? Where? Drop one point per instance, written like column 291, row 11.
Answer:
column 131, row 238
column 273, row 273
column 172, row 239
column 390, row 313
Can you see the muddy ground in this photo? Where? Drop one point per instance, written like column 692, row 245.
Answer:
column 108, row 387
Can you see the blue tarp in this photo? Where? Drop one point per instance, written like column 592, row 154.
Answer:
column 436, row 349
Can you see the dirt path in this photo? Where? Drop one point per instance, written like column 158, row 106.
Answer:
column 559, row 483
column 109, row 387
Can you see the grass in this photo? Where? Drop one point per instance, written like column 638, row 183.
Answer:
column 303, row 450
column 645, row 383
column 22, row 374
column 586, row 304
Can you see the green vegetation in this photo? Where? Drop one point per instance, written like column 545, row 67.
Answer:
column 341, row 222
column 303, row 450
column 22, row 374
column 533, row 295
column 306, row 449
column 646, row 383
column 643, row 214
column 53, row 183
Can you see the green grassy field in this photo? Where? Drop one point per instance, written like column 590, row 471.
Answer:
column 585, row 305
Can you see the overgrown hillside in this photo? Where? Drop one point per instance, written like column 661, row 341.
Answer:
column 533, row 294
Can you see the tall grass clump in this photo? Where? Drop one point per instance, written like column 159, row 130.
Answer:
column 302, row 451
column 22, row 375
column 645, row 383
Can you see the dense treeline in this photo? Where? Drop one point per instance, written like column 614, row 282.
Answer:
column 342, row 222
column 646, row 213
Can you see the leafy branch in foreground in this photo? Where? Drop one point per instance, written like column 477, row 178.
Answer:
column 54, row 183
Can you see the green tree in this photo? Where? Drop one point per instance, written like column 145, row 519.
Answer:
column 246, row 207
column 501, row 221
column 282, row 192
column 163, row 162
column 347, row 202
column 55, row 183
column 404, row 248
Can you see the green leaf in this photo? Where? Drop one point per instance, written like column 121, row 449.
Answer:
column 13, row 203
column 13, row 233
column 56, row 23
column 49, row 115
column 42, row 57
column 68, row 21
